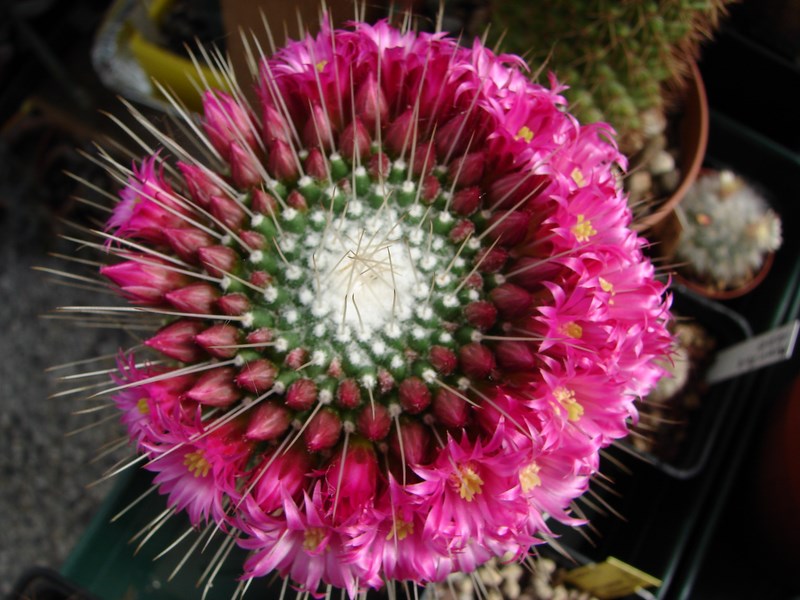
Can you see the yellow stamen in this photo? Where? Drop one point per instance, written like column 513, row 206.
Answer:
column 196, row 463
column 312, row 538
column 469, row 483
column 321, row 65
column 583, row 229
column 608, row 287
column 401, row 529
column 529, row 477
column 142, row 406
column 567, row 399
column 524, row 133
column 578, row 177
column 573, row 330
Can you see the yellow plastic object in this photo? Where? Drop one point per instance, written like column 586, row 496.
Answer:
column 177, row 74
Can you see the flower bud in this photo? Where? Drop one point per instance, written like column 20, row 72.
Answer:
column 144, row 282
column 511, row 300
column 225, row 121
column 477, row 361
column 215, row 388
column 257, row 376
column 491, row 260
column 416, row 442
column 467, row 170
column 200, row 183
column 228, row 212
column 379, row 166
column 323, row 430
column 186, row 241
column 424, row 160
column 252, row 239
column 218, row 260
column 315, row 164
column 466, row 201
column 515, row 356
column 414, row 395
column 264, row 203
column 301, row 395
column 348, row 394
column 245, row 165
column 351, row 478
column 374, row 422
column 282, row 162
column 370, row 103
column 450, row 409
column 443, row 359
column 318, row 132
column 355, row 141
column 481, row 314
column 399, row 135
column 287, row 472
column 430, row 189
column 509, row 228
column 275, row 126
column 296, row 358
column 461, row 231
column 297, row 201
column 197, row 298
column 176, row 340
column 267, row 422
column 233, row 305
column 220, row 340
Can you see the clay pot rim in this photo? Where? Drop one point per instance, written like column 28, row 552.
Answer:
column 694, row 140
column 727, row 293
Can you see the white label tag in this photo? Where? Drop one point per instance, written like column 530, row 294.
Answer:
column 765, row 349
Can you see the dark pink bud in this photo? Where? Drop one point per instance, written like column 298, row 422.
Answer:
column 296, row 358
column 414, row 395
column 234, row 304
column 481, row 314
column 475, row 282
column 511, row 300
column 218, row 260
column 379, row 166
column 228, row 212
column 267, row 422
column 371, row 105
column 316, row 165
column 264, row 203
column 454, row 136
column 198, row 298
column 466, row 201
column 144, row 282
column 461, row 231
column 219, row 339
column 287, row 473
column 323, row 430
column 348, row 394
column 200, row 183
column 530, row 271
column 450, row 408
column 399, row 135
column 477, row 361
column 352, row 478
column 257, row 376
column 176, row 340
column 187, row 241
column 374, row 422
column 244, row 166
column 253, row 239
column 335, row 369
column 318, row 132
column 355, row 141
column 491, row 260
column 297, row 201
column 262, row 335
column 301, row 395
column 215, row 388
column 430, row 189
column 510, row 227
column 424, row 159
column 515, row 356
column 416, row 442
column 443, row 359
column 282, row 162
column 511, row 189
column 260, row 279
column 467, row 170
column 275, row 126
column 226, row 121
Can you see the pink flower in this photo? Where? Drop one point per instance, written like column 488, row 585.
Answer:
column 405, row 310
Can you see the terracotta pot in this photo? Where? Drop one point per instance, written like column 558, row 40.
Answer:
column 693, row 138
column 729, row 293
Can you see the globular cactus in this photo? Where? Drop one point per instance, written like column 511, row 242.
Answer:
column 728, row 230
column 619, row 58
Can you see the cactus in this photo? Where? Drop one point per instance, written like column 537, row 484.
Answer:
column 727, row 230
column 620, row 58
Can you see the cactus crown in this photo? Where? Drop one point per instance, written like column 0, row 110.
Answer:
column 728, row 229
column 617, row 57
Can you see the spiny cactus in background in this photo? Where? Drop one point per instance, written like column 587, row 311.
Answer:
column 728, row 229
column 401, row 310
column 617, row 56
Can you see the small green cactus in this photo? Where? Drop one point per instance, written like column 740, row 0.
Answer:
column 727, row 230
column 619, row 57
